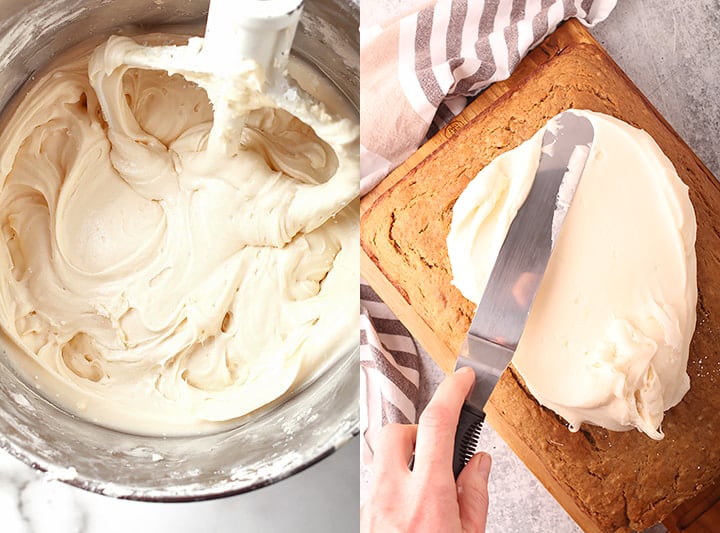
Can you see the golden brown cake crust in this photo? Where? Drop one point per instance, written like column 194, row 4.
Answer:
column 621, row 480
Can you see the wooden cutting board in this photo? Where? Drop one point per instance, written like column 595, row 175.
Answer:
column 564, row 41
column 699, row 515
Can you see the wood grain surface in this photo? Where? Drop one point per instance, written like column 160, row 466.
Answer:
column 607, row 481
column 698, row 515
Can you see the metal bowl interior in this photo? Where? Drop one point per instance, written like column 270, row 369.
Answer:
column 268, row 446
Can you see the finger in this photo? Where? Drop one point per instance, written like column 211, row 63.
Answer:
column 472, row 488
column 438, row 422
column 395, row 446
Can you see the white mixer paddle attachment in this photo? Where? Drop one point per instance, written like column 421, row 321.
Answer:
column 262, row 30
column 241, row 62
column 242, row 65
column 248, row 44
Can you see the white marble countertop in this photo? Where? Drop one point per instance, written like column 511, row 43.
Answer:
column 669, row 50
column 322, row 498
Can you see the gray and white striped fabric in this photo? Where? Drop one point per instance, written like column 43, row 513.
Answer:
column 417, row 72
column 389, row 370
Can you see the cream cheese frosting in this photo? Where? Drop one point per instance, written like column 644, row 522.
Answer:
column 156, row 285
column 608, row 335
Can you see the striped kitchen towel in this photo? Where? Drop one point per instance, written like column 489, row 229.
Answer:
column 417, row 72
column 389, row 370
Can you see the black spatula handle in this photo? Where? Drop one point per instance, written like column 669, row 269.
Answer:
column 467, row 436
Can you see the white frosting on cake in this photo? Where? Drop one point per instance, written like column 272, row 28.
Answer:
column 607, row 338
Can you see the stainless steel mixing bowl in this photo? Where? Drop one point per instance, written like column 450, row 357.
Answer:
column 268, row 446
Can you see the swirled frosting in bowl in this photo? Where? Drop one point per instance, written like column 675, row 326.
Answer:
column 608, row 335
column 154, row 285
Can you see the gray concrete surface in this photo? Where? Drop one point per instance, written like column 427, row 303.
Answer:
column 671, row 51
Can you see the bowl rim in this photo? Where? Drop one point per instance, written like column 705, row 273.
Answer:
column 347, row 427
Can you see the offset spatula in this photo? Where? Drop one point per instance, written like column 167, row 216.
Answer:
column 504, row 307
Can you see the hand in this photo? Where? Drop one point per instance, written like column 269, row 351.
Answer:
column 427, row 498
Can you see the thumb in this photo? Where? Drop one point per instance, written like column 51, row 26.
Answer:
column 472, row 488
